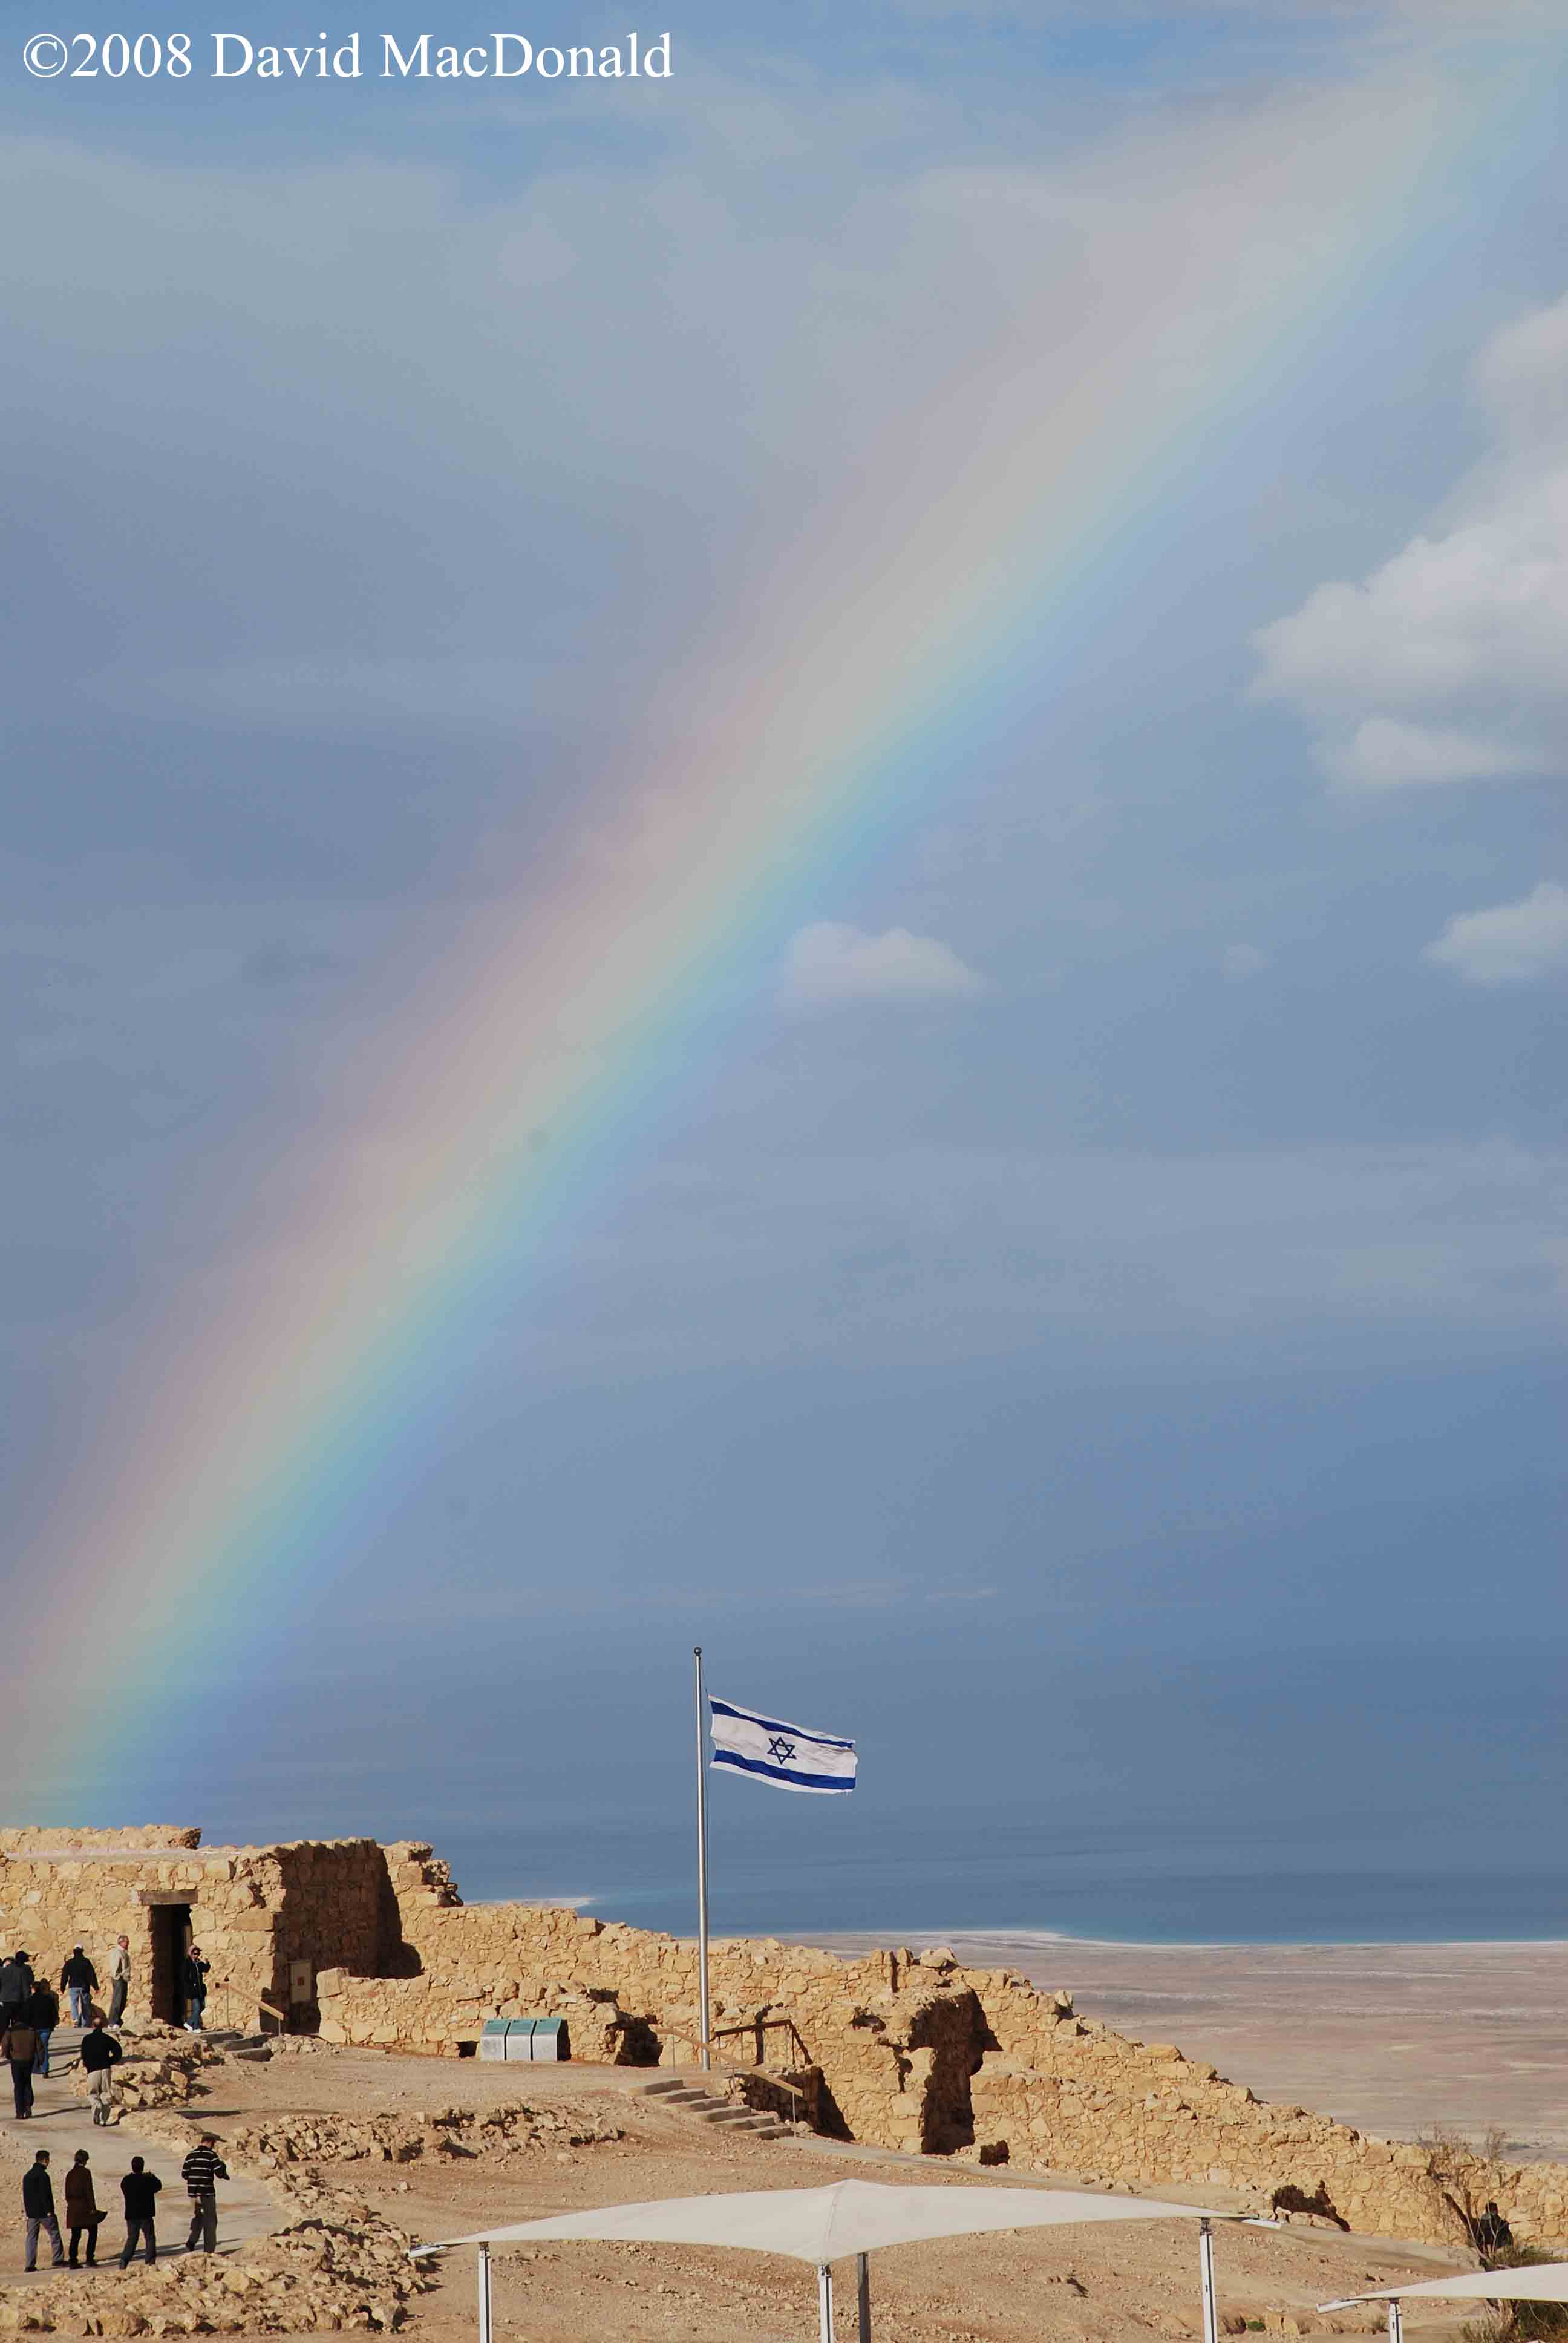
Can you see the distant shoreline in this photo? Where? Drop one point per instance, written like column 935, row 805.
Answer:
column 606, row 1906
column 1042, row 1939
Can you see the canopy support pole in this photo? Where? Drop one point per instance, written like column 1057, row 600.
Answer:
column 1395, row 2323
column 484, row 2276
column 1206, row 2278
column 863, row 2297
column 703, row 2051
column 825, row 2302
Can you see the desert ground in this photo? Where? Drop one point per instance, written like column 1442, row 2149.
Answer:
column 590, row 2135
column 1393, row 2039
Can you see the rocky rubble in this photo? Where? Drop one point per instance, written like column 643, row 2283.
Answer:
column 339, row 2267
column 517, row 2130
column 159, row 2069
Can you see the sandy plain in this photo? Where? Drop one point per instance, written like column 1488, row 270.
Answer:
column 1393, row 2039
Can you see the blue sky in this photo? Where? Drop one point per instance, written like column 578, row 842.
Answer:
column 1121, row 1245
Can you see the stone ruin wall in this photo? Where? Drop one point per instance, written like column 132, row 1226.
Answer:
column 45, row 1838
column 914, row 2053
column 253, row 1911
column 1058, row 2090
column 900, row 2050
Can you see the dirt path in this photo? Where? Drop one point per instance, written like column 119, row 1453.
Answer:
column 63, row 2123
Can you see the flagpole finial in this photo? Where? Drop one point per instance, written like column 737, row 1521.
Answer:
column 697, row 1651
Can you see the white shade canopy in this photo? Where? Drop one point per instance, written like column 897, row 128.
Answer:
column 1545, row 2282
column 825, row 2224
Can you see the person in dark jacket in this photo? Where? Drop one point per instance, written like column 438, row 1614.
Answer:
column 41, row 2011
column 195, row 1970
column 140, row 2190
column 100, row 2056
column 80, row 1979
column 38, row 2204
column 15, row 1985
column 19, row 2047
column 82, row 2214
column 201, row 2171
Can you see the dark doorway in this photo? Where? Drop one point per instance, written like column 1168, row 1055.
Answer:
column 171, row 1933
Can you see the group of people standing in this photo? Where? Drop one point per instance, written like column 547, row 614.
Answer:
column 201, row 2172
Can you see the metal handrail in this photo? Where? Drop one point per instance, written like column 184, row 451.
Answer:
column 761, row 2026
column 765, row 2025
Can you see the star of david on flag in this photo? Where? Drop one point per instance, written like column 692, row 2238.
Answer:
column 785, row 1755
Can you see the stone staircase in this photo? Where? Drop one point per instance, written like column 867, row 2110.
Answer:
column 734, row 2114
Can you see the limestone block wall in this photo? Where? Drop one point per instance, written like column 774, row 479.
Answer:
column 1113, row 2110
column 895, row 2042
column 915, row 2052
column 253, row 1911
column 335, row 1908
column 34, row 1838
column 49, row 1902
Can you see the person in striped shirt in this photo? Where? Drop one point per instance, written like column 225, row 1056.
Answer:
column 201, row 2171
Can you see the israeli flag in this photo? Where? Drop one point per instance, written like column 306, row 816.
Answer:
column 785, row 1755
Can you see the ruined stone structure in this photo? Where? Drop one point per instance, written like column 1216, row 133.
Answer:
column 373, row 1947
column 267, row 1918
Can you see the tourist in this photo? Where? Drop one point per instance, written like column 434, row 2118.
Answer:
column 82, row 2214
column 119, row 1979
column 42, row 2011
column 38, row 2204
column 19, row 2047
column 15, row 1985
column 201, row 2170
column 140, row 2190
column 196, row 1971
column 80, row 1979
column 100, row 2056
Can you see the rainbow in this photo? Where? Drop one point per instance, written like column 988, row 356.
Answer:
column 858, row 685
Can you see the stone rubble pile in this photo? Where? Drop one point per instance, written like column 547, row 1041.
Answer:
column 518, row 2131
column 160, row 2069
column 338, row 2267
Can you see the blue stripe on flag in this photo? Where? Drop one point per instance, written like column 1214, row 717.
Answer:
column 773, row 1725
column 785, row 1775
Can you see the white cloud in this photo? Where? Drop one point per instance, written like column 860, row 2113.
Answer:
column 1385, row 754
column 1510, row 943
column 830, row 964
column 1469, row 621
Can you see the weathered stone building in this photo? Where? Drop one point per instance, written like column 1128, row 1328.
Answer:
column 373, row 1947
column 268, row 1918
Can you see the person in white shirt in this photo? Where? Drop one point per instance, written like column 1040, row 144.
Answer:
column 119, row 1979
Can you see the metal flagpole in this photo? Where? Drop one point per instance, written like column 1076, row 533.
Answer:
column 702, row 2051
column 825, row 2301
column 1395, row 2324
column 863, row 2297
column 484, row 2293
column 1206, row 2273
